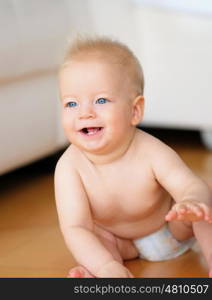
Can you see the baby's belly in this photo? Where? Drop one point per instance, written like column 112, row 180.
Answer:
column 138, row 227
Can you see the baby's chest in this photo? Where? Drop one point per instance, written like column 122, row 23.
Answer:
column 120, row 196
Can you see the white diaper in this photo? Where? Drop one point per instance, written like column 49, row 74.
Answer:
column 161, row 245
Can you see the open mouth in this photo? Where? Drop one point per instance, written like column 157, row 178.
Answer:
column 91, row 131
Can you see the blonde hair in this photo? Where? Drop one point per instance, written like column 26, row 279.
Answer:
column 108, row 50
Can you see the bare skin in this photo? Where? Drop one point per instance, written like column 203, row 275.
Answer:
column 116, row 183
column 116, row 233
column 121, row 250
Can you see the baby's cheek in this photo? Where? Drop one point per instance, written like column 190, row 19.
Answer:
column 67, row 125
column 66, row 121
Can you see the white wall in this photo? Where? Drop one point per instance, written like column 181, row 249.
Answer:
column 176, row 56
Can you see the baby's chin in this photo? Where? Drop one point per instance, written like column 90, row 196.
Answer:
column 93, row 147
column 104, row 145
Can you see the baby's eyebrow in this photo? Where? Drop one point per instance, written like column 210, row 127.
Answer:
column 67, row 98
column 104, row 94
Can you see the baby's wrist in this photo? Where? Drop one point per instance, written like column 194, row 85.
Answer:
column 107, row 268
column 109, row 264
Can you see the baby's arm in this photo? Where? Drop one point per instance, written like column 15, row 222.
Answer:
column 192, row 195
column 77, row 226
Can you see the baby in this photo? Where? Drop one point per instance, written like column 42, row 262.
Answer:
column 120, row 192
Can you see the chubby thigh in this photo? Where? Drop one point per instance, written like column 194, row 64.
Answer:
column 121, row 249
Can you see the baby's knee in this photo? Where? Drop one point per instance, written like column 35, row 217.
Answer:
column 109, row 242
column 104, row 235
column 127, row 249
column 181, row 230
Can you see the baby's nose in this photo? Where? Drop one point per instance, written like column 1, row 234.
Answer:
column 86, row 112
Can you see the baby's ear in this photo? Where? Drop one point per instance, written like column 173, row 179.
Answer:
column 137, row 110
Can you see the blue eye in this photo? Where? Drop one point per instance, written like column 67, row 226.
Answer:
column 101, row 101
column 71, row 104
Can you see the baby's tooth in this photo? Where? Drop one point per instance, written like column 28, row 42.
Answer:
column 92, row 131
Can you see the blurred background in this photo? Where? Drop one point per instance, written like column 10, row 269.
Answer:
column 173, row 41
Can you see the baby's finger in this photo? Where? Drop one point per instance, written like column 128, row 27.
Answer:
column 195, row 209
column 206, row 209
column 182, row 208
column 172, row 214
column 192, row 212
column 207, row 212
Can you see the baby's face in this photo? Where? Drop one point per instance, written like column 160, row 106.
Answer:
column 97, row 105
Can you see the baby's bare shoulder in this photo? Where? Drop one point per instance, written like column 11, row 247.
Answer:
column 70, row 154
column 69, row 158
column 149, row 143
column 155, row 152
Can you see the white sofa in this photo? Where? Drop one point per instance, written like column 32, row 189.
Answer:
column 29, row 54
column 33, row 38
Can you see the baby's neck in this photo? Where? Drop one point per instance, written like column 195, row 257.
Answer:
column 115, row 155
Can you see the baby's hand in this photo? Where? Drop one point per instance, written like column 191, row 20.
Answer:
column 190, row 211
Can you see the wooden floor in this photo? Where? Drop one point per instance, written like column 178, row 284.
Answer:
column 31, row 243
